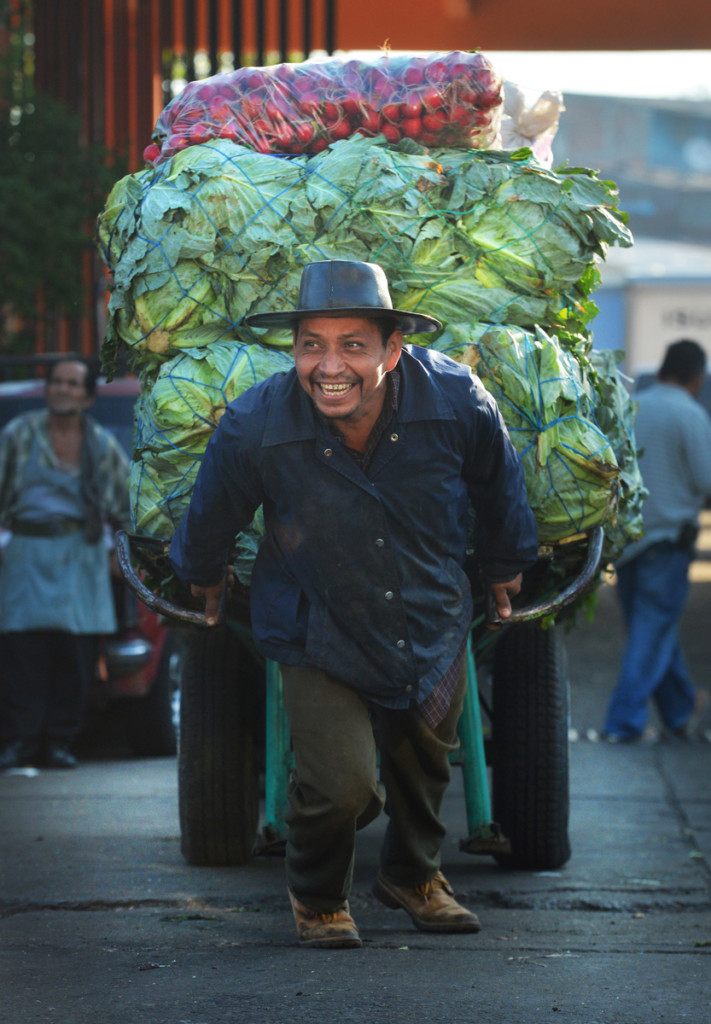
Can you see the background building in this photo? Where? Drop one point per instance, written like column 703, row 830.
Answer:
column 659, row 154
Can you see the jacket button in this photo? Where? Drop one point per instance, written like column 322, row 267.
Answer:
column 400, row 644
column 379, row 542
column 408, row 689
column 394, row 437
column 328, row 451
column 389, row 595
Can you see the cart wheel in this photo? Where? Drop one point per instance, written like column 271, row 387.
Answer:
column 218, row 774
column 530, row 712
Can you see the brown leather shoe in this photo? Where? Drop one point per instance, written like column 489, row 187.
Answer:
column 431, row 906
column 333, row 930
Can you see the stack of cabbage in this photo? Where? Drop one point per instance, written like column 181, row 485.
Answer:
column 500, row 249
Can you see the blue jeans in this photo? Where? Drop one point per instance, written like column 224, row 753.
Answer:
column 652, row 590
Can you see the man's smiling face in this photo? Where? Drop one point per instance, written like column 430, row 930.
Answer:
column 341, row 363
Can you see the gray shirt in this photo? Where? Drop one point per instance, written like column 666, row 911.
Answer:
column 674, row 432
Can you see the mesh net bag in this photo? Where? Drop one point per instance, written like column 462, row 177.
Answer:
column 175, row 420
column 221, row 232
column 551, row 404
column 445, row 99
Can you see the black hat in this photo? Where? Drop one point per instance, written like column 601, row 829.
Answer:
column 345, row 288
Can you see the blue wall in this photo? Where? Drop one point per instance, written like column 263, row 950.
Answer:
column 608, row 327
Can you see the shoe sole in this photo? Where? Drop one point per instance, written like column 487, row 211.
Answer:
column 390, row 899
column 336, row 942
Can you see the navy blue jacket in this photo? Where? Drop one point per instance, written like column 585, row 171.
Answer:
column 360, row 573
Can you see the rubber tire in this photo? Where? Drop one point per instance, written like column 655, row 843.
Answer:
column 218, row 776
column 530, row 712
column 150, row 727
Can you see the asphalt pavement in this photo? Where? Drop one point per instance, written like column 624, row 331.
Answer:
column 101, row 920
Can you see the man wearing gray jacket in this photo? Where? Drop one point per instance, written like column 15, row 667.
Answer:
column 673, row 432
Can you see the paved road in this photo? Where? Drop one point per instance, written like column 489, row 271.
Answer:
column 102, row 921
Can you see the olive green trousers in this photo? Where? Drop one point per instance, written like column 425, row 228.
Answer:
column 336, row 788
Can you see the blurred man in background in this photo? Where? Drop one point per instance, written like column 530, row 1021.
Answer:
column 673, row 432
column 63, row 478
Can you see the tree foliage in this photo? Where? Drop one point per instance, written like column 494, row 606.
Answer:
column 52, row 187
column 51, row 190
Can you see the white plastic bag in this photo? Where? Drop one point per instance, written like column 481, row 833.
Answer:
column 531, row 121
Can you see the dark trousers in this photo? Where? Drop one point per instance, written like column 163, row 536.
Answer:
column 335, row 789
column 44, row 682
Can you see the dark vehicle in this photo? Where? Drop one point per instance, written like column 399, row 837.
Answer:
column 138, row 674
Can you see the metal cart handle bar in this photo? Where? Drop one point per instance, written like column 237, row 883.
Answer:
column 163, row 606
column 560, row 599
column 160, row 605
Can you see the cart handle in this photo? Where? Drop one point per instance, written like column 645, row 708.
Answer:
column 561, row 598
column 160, row 605
column 163, row 606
